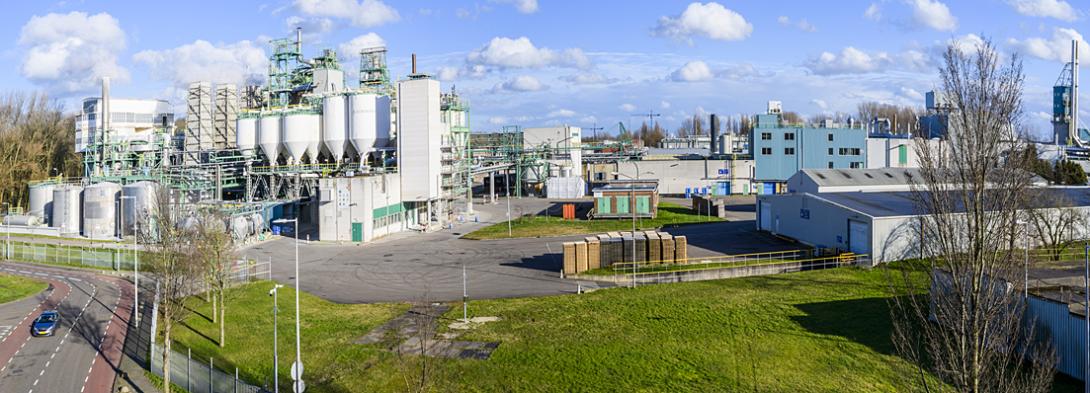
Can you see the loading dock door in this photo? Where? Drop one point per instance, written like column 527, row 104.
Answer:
column 357, row 232
column 766, row 216
column 858, row 237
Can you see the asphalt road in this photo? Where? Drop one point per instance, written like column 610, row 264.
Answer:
column 83, row 354
column 418, row 267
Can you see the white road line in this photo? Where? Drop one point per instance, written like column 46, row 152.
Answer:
column 94, row 291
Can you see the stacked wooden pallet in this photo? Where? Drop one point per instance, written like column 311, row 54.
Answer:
column 604, row 250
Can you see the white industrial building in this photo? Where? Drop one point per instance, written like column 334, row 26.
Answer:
column 130, row 120
column 566, row 140
column 679, row 177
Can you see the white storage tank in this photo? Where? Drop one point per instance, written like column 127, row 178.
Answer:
column 240, row 227
column 67, row 208
column 382, row 117
column 258, row 222
column 138, row 206
column 300, row 135
column 246, row 133
column 268, row 135
column 362, row 123
column 22, row 220
column 41, row 201
column 100, row 210
column 334, row 126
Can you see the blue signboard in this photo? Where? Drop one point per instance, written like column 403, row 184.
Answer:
column 724, row 171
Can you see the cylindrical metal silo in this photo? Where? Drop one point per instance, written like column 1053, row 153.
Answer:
column 41, row 201
column 138, row 206
column 240, row 227
column 334, row 125
column 382, row 117
column 300, row 135
column 362, row 123
column 246, row 133
column 67, row 208
column 268, row 135
column 258, row 222
column 100, row 210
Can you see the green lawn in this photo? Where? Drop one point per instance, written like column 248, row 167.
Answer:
column 817, row 331
column 328, row 330
column 17, row 287
column 537, row 226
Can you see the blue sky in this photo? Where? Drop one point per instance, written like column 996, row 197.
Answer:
column 540, row 62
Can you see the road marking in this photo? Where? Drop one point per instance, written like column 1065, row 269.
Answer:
column 4, row 331
column 94, row 291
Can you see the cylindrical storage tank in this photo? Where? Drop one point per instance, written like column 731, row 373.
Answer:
column 240, row 227
column 382, row 116
column 362, row 123
column 23, row 220
column 258, row 222
column 268, row 135
column 334, row 126
column 100, row 210
column 137, row 206
column 300, row 134
column 41, row 201
column 67, row 208
column 246, row 133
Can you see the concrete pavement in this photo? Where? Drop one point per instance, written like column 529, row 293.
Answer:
column 417, row 267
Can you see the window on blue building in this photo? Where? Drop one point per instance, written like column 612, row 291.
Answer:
column 789, row 151
column 830, row 137
column 766, row 150
column 830, row 151
column 766, row 136
column 790, row 136
column 830, row 165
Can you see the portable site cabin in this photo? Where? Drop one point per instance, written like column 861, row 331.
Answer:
column 619, row 199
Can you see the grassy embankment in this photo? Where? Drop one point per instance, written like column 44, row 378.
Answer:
column 816, row 331
column 14, row 287
column 539, row 226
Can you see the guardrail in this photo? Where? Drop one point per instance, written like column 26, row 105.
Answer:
column 728, row 266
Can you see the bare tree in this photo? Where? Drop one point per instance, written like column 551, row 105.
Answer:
column 1054, row 228
column 967, row 327
column 216, row 250
column 173, row 263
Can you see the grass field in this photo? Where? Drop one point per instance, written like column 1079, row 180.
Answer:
column 17, row 287
column 818, row 331
column 540, row 226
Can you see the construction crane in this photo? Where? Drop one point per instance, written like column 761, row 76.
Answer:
column 594, row 130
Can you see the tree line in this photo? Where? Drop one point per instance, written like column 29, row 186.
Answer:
column 37, row 140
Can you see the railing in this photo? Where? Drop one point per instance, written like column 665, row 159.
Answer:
column 111, row 257
column 197, row 375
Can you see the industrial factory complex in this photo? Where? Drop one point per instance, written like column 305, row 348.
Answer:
column 355, row 163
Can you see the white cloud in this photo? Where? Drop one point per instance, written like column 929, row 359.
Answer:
column 849, row 60
column 802, row 24
column 564, row 113
column 1058, row 9
column 693, row 71
column 523, row 6
column 365, row 13
column 664, row 104
column 522, row 83
column 240, row 63
column 588, row 78
column 912, row 94
column 933, row 14
column 627, row 107
column 1057, row 47
column 711, row 20
column 313, row 28
column 820, row 104
column 71, row 52
column 351, row 49
column 873, row 12
column 521, row 53
column 968, row 43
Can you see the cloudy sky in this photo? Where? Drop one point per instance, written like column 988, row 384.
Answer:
column 533, row 62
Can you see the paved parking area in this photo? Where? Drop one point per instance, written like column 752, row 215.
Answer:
column 428, row 266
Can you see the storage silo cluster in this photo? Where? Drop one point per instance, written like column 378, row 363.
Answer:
column 344, row 123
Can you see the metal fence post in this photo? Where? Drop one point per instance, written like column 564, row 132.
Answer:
column 188, row 369
column 236, row 380
column 211, row 380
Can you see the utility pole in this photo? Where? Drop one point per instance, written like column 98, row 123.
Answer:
column 594, row 130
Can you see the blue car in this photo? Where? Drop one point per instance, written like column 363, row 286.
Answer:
column 45, row 324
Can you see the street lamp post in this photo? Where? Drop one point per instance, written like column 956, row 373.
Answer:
column 297, row 368
column 136, row 261
column 465, row 296
column 507, row 184
column 632, row 199
column 276, row 355
column 1086, row 309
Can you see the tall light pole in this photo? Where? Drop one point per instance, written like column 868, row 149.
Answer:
column 465, row 296
column 632, row 199
column 1086, row 309
column 276, row 355
column 7, row 231
column 297, row 368
column 136, row 266
column 507, row 184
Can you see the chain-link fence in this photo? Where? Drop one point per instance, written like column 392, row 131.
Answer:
column 198, row 375
column 93, row 256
